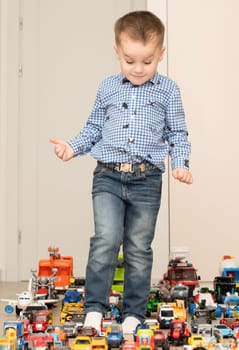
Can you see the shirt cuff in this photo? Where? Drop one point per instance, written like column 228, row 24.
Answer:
column 77, row 148
column 180, row 163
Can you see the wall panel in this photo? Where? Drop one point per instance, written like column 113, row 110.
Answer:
column 203, row 59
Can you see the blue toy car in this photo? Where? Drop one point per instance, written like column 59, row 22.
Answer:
column 115, row 339
column 225, row 331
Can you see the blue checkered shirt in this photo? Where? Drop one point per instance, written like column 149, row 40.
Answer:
column 132, row 123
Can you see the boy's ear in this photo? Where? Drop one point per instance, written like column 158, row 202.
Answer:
column 161, row 55
column 116, row 51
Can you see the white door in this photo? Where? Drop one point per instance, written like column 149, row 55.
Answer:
column 66, row 49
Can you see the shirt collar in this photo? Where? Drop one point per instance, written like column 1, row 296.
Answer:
column 154, row 80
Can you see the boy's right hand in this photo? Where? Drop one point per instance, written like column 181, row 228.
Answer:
column 62, row 149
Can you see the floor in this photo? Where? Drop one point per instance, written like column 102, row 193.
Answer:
column 8, row 290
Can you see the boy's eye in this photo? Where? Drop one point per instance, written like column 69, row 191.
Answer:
column 147, row 62
column 129, row 62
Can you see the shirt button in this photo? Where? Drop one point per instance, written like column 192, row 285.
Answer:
column 131, row 139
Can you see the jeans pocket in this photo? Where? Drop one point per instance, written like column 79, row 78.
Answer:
column 99, row 171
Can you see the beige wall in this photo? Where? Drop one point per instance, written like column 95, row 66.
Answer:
column 202, row 56
column 64, row 57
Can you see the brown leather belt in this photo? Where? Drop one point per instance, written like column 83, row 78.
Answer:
column 128, row 167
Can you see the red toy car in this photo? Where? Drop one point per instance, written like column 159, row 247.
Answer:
column 160, row 339
column 180, row 271
column 41, row 320
column 178, row 333
column 230, row 322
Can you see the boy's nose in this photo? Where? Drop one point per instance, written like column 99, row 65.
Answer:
column 138, row 68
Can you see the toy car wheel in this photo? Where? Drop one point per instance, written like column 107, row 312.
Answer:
column 185, row 340
column 17, row 310
column 166, row 345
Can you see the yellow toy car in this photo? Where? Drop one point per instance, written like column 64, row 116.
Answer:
column 99, row 343
column 82, row 342
column 196, row 340
column 69, row 310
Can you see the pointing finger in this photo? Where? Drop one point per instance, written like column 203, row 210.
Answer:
column 54, row 141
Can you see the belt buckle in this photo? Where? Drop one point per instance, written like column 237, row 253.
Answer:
column 126, row 167
column 142, row 167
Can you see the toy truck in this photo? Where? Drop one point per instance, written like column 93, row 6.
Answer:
column 223, row 285
column 39, row 341
column 178, row 333
column 231, row 271
column 13, row 338
column 165, row 315
column 63, row 266
column 155, row 297
column 43, row 286
column 160, row 339
column 8, row 343
column 71, row 296
column 145, row 339
column 41, row 320
column 118, row 282
column 170, row 311
column 180, row 271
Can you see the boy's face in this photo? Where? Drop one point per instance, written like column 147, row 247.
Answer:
column 138, row 61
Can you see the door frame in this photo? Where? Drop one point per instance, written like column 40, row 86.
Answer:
column 9, row 129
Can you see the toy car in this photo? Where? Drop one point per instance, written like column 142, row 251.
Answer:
column 200, row 316
column 197, row 341
column 89, row 331
column 73, row 326
column 99, row 343
column 205, row 299
column 41, row 320
column 41, row 341
column 114, row 339
column 230, row 322
column 178, row 333
column 63, row 266
column 152, row 323
column 69, row 310
column 145, row 338
column 129, row 345
column 226, row 332
column 160, row 339
column 118, row 282
column 183, row 272
column 82, row 342
column 180, row 291
column 155, row 297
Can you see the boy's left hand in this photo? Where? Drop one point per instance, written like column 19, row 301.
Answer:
column 183, row 175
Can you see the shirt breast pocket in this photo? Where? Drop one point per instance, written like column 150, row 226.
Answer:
column 155, row 112
column 112, row 111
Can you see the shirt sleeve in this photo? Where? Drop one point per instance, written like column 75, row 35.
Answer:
column 176, row 133
column 92, row 131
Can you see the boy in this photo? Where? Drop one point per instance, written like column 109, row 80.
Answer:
column 136, row 121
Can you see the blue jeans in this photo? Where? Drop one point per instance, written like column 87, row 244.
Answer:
column 125, row 208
